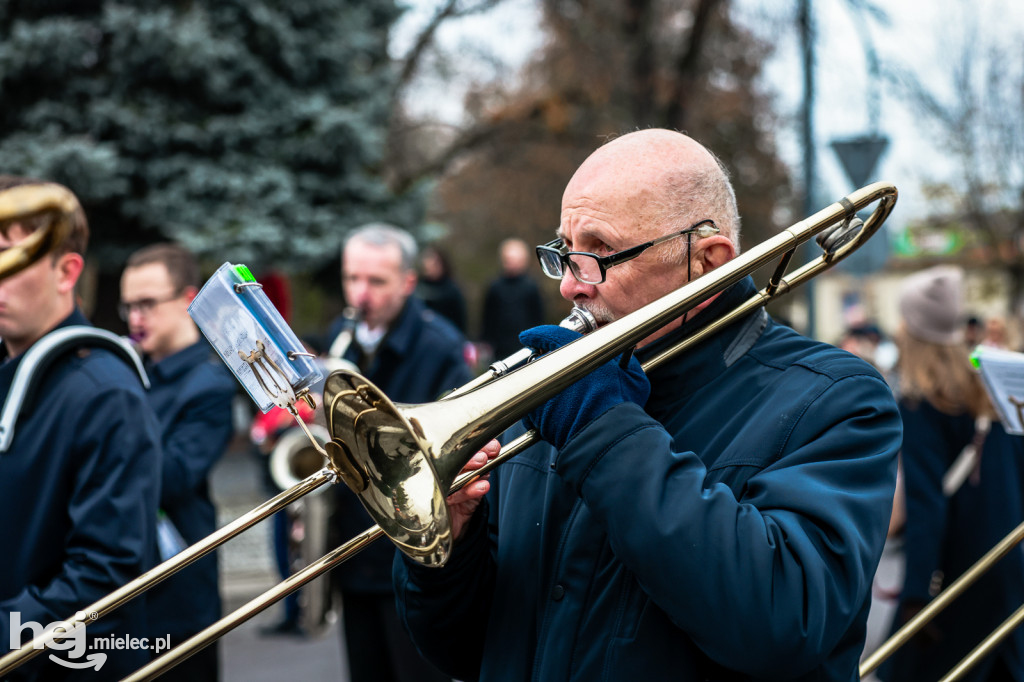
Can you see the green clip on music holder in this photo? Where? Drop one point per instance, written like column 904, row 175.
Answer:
column 253, row 340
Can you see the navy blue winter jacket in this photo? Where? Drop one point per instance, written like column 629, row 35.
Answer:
column 78, row 498
column 730, row 531
column 419, row 358
column 191, row 394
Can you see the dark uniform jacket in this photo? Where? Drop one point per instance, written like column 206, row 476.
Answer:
column 78, row 498
column 730, row 531
column 418, row 359
column 944, row 536
column 192, row 393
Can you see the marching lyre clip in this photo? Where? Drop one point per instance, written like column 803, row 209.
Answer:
column 267, row 373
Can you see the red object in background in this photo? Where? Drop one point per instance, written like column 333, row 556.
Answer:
column 278, row 289
column 471, row 354
column 270, row 425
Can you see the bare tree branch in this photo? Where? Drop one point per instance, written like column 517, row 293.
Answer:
column 411, row 62
column 686, row 64
column 448, row 10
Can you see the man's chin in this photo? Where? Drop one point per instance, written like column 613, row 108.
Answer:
column 140, row 341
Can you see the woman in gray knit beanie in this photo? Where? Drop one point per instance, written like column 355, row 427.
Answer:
column 951, row 519
column 934, row 365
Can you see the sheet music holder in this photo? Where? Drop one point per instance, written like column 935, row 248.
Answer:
column 1003, row 374
column 253, row 340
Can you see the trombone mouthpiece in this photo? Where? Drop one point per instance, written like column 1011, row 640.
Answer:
column 352, row 315
column 579, row 320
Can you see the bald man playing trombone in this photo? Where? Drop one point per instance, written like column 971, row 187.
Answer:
column 720, row 518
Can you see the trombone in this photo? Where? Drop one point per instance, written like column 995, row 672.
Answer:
column 29, row 201
column 403, row 460
column 944, row 599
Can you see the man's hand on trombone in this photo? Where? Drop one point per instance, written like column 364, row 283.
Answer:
column 463, row 503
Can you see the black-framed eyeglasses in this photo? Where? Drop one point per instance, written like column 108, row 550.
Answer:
column 143, row 305
column 589, row 268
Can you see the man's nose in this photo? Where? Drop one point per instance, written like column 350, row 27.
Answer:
column 570, row 287
column 135, row 316
column 358, row 295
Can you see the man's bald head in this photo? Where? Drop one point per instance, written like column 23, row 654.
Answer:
column 668, row 181
column 638, row 187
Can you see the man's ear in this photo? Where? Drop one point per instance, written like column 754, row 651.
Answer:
column 410, row 283
column 69, row 269
column 190, row 294
column 715, row 251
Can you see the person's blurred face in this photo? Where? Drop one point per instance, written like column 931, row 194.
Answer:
column 36, row 299
column 157, row 313
column 432, row 267
column 375, row 282
column 995, row 331
column 515, row 257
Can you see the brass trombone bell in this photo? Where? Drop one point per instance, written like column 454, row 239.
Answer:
column 29, row 201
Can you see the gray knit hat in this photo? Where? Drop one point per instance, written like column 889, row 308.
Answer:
column 931, row 302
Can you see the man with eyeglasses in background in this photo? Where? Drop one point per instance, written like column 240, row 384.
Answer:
column 192, row 393
column 719, row 518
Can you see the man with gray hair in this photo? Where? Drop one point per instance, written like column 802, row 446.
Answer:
column 413, row 355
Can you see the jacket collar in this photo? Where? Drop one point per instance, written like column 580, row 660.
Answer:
column 8, row 367
column 699, row 365
column 184, row 361
column 402, row 334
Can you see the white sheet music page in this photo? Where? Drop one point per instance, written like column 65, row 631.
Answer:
column 1003, row 374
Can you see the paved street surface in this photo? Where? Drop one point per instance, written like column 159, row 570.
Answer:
column 247, row 570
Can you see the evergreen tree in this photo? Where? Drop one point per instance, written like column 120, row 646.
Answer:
column 250, row 130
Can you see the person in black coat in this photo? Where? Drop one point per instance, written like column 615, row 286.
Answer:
column 438, row 290
column 716, row 518
column 513, row 301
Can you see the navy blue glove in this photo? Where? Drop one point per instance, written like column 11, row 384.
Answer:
column 562, row 417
